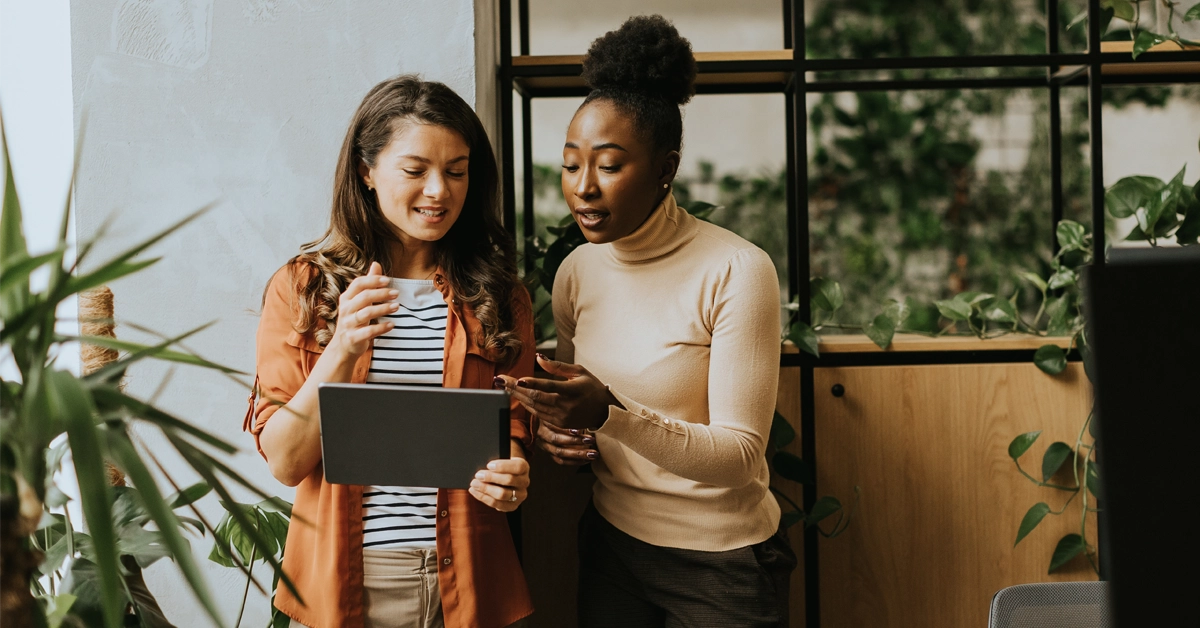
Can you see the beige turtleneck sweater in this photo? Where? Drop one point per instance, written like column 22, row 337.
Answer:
column 681, row 320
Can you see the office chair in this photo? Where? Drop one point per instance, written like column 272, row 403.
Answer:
column 1051, row 605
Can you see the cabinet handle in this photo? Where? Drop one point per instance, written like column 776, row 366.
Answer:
column 838, row 390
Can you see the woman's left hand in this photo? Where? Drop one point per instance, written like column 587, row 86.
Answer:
column 504, row 485
column 580, row 402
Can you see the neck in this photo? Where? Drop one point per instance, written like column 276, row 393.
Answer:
column 412, row 258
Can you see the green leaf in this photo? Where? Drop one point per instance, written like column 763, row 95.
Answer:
column 897, row 311
column 791, row 518
column 826, row 294
column 18, row 270
column 805, row 338
column 1031, row 520
column 110, row 398
column 699, row 209
column 1068, row 547
column 57, row 607
column 791, row 467
column 158, row 352
column 12, row 234
column 189, row 495
column 1051, row 359
column 782, row 432
column 1070, row 235
column 1144, row 41
column 999, row 310
column 1061, row 279
column 1034, row 279
column 1092, row 479
column 954, row 309
column 77, row 412
column 130, row 462
column 1188, row 232
column 881, row 330
column 1078, row 19
column 1127, row 195
column 821, row 510
column 1056, row 455
column 1022, row 443
column 1192, row 14
column 1059, row 312
column 1121, row 8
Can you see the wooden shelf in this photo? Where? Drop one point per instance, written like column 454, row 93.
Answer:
column 1132, row 67
column 757, row 69
column 858, row 343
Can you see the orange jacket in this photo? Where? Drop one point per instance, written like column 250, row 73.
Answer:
column 480, row 578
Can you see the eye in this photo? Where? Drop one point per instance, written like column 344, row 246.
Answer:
column 610, row 168
column 414, row 173
column 570, row 168
column 457, row 175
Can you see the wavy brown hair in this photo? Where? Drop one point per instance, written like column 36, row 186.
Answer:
column 477, row 255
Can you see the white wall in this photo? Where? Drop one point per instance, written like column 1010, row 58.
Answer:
column 245, row 103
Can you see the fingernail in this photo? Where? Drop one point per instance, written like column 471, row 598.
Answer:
column 521, row 382
column 389, row 324
column 542, row 356
column 575, row 432
column 497, row 381
column 479, row 476
column 588, row 440
column 393, row 293
column 475, row 484
column 393, row 307
column 492, row 465
column 592, row 455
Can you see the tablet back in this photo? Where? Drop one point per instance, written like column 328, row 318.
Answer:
column 410, row 435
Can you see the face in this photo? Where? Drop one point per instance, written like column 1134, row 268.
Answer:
column 612, row 177
column 420, row 179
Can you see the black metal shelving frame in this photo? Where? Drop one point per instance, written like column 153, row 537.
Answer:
column 796, row 78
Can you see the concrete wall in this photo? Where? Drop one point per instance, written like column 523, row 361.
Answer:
column 245, row 103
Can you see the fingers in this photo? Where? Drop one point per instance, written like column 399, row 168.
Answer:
column 375, row 270
column 561, row 369
column 564, row 438
column 373, row 312
column 498, row 497
column 544, row 385
column 540, row 408
column 506, row 472
column 366, row 282
column 575, row 454
column 370, row 332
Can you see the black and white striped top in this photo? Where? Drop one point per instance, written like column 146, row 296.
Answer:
column 412, row 354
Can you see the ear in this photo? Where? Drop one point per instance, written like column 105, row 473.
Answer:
column 669, row 168
column 364, row 172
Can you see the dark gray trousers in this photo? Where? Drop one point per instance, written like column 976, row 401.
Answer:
column 626, row 583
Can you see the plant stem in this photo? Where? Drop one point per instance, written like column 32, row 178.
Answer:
column 246, row 591
column 787, row 499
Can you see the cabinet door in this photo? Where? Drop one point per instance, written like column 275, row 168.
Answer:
column 932, row 538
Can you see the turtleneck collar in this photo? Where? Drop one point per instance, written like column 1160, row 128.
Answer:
column 668, row 228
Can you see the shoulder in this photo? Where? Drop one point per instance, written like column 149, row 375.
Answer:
column 731, row 251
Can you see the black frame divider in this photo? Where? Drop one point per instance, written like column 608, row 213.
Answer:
column 795, row 78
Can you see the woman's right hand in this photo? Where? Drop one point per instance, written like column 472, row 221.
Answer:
column 366, row 298
column 567, row 447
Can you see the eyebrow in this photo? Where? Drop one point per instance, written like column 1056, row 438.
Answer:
column 427, row 161
column 604, row 146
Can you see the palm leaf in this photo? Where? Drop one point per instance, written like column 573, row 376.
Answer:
column 158, row 352
column 78, row 412
column 109, row 398
column 131, row 463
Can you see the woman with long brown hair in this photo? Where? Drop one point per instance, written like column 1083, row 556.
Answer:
column 414, row 283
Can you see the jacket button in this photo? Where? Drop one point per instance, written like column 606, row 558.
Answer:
column 444, row 513
column 446, row 561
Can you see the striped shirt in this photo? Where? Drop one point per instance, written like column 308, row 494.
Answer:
column 412, row 354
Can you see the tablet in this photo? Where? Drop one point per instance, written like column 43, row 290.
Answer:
column 389, row 435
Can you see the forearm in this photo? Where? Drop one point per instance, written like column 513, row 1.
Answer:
column 291, row 439
column 720, row 454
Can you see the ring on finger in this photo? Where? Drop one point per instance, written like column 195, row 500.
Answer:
column 514, row 495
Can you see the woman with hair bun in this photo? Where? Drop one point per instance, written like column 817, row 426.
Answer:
column 668, row 350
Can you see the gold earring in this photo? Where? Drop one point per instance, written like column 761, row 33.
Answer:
column 666, row 185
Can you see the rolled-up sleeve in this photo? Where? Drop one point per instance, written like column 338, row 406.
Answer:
column 281, row 364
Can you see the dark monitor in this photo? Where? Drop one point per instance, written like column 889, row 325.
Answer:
column 1144, row 317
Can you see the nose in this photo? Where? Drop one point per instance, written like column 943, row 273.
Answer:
column 585, row 187
column 435, row 186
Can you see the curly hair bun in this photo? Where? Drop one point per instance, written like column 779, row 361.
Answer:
column 645, row 55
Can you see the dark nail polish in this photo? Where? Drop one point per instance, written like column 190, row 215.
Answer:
column 574, row 432
column 497, row 381
column 592, row 455
column 588, row 440
column 542, row 356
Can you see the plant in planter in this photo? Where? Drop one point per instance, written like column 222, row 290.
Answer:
column 234, row 547
column 1131, row 12
column 96, row 416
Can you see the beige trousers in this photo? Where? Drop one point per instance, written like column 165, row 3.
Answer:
column 400, row 589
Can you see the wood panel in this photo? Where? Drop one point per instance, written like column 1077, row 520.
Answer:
column 932, row 540
column 859, row 343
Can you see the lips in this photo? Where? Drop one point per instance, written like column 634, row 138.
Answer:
column 590, row 217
